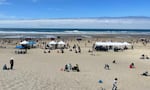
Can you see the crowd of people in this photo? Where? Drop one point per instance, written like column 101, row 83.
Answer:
column 69, row 67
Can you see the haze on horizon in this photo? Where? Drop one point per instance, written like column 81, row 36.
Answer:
column 115, row 14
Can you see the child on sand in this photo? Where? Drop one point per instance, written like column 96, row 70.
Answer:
column 131, row 65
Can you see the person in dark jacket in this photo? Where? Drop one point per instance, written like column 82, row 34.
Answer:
column 11, row 63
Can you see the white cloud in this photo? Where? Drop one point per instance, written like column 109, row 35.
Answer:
column 121, row 23
column 3, row 16
column 4, row 2
column 54, row 9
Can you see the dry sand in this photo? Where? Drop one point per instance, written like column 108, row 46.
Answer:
column 38, row 71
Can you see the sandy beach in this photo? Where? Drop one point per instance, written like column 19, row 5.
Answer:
column 42, row 71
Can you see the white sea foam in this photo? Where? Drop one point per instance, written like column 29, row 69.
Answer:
column 34, row 34
column 74, row 32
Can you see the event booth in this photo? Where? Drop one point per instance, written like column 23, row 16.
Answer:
column 105, row 46
column 56, row 45
column 24, row 45
column 20, row 49
column 61, row 45
column 28, row 44
column 52, row 45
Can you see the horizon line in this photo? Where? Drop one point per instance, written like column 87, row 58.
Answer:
column 103, row 17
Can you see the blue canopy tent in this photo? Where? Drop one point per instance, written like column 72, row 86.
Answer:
column 31, row 43
column 20, row 47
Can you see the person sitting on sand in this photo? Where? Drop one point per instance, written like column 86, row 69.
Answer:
column 76, row 68
column 49, row 51
column 131, row 65
column 145, row 73
column 66, row 68
column 5, row 67
column 70, row 66
column 142, row 56
column 76, row 51
column 45, row 51
column 147, row 57
column 106, row 67
column 114, row 61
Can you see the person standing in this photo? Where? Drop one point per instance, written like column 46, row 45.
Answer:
column 11, row 63
column 115, row 84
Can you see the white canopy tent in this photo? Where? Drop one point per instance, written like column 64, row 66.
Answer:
column 55, row 45
column 127, row 44
column 52, row 43
column 61, row 43
column 112, row 44
column 105, row 46
column 24, row 42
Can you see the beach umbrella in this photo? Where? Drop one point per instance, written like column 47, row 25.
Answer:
column 24, row 42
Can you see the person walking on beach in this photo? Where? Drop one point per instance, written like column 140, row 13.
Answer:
column 11, row 63
column 115, row 84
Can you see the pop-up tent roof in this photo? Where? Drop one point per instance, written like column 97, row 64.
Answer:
column 32, row 42
column 19, row 47
column 24, row 42
column 112, row 44
column 61, row 42
column 52, row 42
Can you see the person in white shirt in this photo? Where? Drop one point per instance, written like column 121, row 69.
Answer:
column 115, row 84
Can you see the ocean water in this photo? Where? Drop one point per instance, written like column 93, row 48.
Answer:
column 20, row 32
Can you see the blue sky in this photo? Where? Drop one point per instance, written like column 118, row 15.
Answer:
column 34, row 9
column 75, row 14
